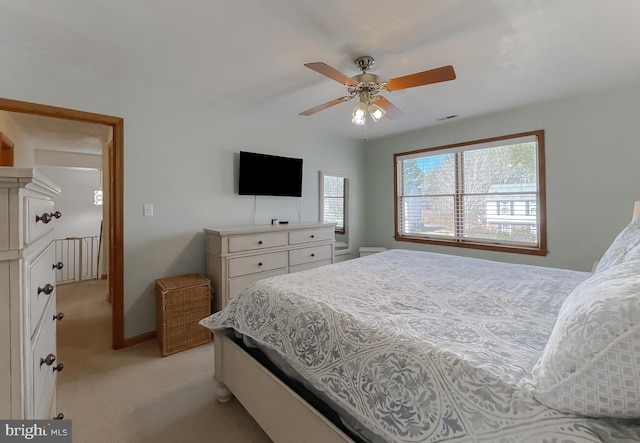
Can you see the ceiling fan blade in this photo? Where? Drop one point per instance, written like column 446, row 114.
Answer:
column 391, row 112
column 326, row 105
column 437, row 75
column 332, row 73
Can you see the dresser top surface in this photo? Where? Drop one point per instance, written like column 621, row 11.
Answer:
column 256, row 229
column 26, row 177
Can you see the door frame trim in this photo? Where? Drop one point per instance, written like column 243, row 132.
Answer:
column 116, row 201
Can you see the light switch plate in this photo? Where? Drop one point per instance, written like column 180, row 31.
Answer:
column 147, row 210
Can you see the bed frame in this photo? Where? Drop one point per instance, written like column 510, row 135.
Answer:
column 283, row 415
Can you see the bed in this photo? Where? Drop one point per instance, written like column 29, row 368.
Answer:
column 408, row 346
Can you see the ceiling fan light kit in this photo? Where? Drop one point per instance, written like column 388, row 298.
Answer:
column 359, row 113
column 376, row 112
column 368, row 86
column 366, row 106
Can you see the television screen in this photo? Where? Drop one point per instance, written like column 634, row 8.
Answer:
column 263, row 174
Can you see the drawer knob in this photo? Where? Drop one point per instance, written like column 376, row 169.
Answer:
column 260, row 242
column 48, row 360
column 313, row 236
column 60, row 367
column 313, row 255
column 58, row 317
column 48, row 289
column 58, row 265
column 56, row 214
column 260, row 264
column 44, row 218
column 60, row 416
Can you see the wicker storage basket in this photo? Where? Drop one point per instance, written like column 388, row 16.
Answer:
column 181, row 302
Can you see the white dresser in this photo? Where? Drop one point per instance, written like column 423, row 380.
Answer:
column 240, row 256
column 28, row 363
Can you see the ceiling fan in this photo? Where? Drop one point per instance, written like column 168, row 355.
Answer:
column 369, row 86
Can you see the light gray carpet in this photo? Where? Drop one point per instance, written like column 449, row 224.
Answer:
column 134, row 394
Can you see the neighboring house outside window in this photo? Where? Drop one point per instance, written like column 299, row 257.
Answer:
column 485, row 194
column 511, row 204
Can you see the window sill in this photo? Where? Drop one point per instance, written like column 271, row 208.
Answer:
column 516, row 249
column 341, row 248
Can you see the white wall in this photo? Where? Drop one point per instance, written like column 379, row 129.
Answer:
column 179, row 155
column 80, row 218
column 592, row 173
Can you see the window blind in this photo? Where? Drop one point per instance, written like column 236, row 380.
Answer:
column 484, row 193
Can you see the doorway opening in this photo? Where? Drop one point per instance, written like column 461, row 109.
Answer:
column 115, row 183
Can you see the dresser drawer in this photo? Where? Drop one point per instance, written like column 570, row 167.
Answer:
column 237, row 285
column 257, row 263
column 43, row 374
column 257, row 241
column 34, row 226
column 311, row 235
column 309, row 265
column 308, row 255
column 42, row 279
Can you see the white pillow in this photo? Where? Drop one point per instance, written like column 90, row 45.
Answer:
column 591, row 364
column 627, row 241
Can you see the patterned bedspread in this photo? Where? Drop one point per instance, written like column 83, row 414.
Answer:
column 421, row 347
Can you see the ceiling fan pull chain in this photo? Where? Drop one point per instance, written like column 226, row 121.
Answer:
column 365, row 129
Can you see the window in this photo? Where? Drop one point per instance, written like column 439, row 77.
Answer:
column 333, row 192
column 97, row 197
column 485, row 194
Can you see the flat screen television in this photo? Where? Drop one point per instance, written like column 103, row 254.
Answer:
column 264, row 174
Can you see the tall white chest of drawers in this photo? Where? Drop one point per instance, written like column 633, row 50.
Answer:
column 240, row 256
column 28, row 362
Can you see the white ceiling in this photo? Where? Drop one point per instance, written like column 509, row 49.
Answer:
column 56, row 134
column 245, row 54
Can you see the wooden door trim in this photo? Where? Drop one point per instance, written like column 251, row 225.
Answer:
column 116, row 200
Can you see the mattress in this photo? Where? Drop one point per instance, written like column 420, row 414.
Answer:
column 412, row 346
